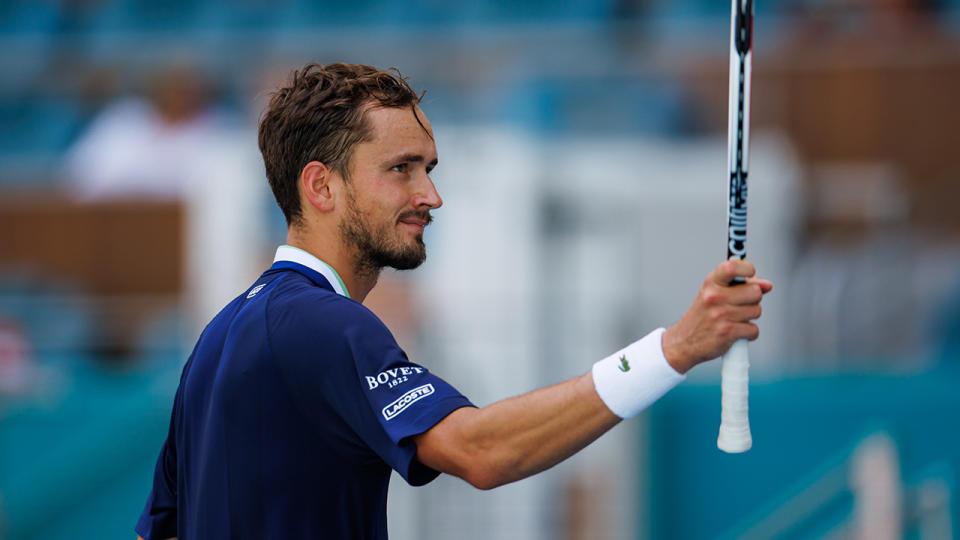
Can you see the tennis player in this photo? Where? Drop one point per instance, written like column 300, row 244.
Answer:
column 297, row 402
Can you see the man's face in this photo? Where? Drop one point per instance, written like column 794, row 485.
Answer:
column 389, row 194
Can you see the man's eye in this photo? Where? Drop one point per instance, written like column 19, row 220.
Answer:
column 399, row 168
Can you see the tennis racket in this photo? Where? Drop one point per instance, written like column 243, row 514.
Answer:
column 734, row 373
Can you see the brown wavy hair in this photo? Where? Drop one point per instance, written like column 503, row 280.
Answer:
column 319, row 116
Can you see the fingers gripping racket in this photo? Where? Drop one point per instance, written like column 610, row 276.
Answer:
column 734, row 380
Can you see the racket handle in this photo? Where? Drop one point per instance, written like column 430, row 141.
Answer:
column 734, row 385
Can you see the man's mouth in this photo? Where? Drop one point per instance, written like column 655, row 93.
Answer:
column 416, row 219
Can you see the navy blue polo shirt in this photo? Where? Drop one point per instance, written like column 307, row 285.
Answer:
column 292, row 409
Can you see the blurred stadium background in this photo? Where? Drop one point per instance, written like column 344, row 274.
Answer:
column 583, row 167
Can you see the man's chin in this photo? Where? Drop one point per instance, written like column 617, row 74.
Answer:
column 407, row 257
column 408, row 261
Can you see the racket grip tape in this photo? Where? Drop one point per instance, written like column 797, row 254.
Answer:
column 734, row 388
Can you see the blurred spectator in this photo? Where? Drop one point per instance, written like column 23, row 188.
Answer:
column 14, row 357
column 146, row 147
column 871, row 25
column 392, row 300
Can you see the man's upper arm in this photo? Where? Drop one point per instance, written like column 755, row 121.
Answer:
column 440, row 447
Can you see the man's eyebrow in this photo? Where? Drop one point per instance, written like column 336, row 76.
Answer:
column 413, row 158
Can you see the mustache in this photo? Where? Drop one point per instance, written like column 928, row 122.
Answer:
column 422, row 215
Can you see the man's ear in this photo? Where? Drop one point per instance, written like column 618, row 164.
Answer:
column 315, row 186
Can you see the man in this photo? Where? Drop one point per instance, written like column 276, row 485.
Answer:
column 297, row 402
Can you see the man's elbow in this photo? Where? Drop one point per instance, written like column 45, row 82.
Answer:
column 486, row 474
column 451, row 447
column 483, row 480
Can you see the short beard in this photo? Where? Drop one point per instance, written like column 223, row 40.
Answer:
column 375, row 251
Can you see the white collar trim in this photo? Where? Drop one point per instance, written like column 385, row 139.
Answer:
column 299, row 256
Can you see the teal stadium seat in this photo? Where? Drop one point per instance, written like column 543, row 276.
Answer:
column 37, row 126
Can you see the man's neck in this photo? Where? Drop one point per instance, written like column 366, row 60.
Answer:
column 329, row 249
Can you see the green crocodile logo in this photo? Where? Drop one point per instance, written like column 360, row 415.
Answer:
column 624, row 365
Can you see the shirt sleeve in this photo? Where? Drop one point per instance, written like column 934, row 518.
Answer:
column 405, row 399
column 158, row 521
column 368, row 379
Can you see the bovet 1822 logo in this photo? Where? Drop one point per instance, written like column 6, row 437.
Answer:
column 392, row 377
column 401, row 403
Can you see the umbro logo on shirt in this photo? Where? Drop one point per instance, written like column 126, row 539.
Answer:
column 404, row 401
column 255, row 290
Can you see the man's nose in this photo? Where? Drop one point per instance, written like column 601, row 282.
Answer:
column 427, row 195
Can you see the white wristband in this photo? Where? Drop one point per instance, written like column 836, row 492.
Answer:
column 631, row 379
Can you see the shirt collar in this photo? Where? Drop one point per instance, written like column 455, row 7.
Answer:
column 299, row 256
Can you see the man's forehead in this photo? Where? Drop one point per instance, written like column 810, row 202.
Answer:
column 400, row 128
column 392, row 121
